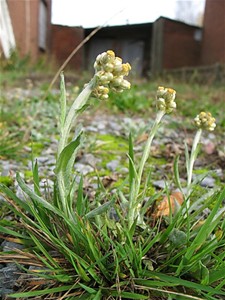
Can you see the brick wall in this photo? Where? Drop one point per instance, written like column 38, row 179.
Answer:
column 63, row 41
column 181, row 46
column 25, row 21
column 213, row 47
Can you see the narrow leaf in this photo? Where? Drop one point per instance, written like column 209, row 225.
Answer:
column 62, row 101
column 37, row 198
column 176, row 172
column 66, row 154
column 36, row 179
column 99, row 210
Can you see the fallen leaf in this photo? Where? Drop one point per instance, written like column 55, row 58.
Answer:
column 163, row 209
column 108, row 180
column 142, row 138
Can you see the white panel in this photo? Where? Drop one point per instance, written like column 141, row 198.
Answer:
column 6, row 30
column 42, row 26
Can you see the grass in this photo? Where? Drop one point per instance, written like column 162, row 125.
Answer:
column 120, row 244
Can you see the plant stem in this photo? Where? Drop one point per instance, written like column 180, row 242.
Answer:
column 134, row 205
column 191, row 162
column 78, row 104
column 66, row 124
column 147, row 148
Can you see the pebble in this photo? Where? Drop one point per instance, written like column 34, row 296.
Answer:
column 89, row 159
column 9, row 246
column 112, row 165
column 159, row 184
column 83, row 169
column 208, row 182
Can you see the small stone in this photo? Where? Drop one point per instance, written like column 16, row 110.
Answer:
column 115, row 126
column 83, row 169
column 9, row 246
column 101, row 126
column 208, row 182
column 89, row 159
column 91, row 128
column 112, row 165
column 159, row 184
column 124, row 170
column 42, row 159
column 9, row 275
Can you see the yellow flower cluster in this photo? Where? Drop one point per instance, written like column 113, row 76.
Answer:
column 165, row 99
column 110, row 72
column 205, row 121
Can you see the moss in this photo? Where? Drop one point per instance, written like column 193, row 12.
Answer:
column 36, row 147
column 112, row 143
column 200, row 171
column 28, row 174
column 7, row 180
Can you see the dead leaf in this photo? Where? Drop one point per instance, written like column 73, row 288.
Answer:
column 108, row 180
column 142, row 138
column 163, row 209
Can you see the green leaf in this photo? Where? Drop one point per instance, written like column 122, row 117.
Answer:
column 11, row 195
column 44, row 292
column 62, row 101
column 36, row 179
column 180, row 282
column 12, row 233
column 86, row 288
column 66, row 154
column 204, row 274
column 216, row 275
column 128, row 295
column 176, row 172
column 206, row 228
column 79, row 203
column 131, row 160
column 98, row 295
column 178, row 237
column 37, row 198
column 64, row 168
column 187, row 157
column 99, row 210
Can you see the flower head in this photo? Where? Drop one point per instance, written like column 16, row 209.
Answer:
column 205, row 121
column 165, row 99
column 110, row 72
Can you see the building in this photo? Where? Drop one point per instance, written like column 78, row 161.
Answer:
column 149, row 47
column 64, row 40
column 174, row 45
column 213, row 43
column 130, row 42
column 25, row 26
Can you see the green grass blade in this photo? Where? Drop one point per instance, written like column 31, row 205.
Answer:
column 62, row 101
column 88, row 289
column 80, row 198
column 131, row 160
column 36, row 179
column 176, row 172
column 44, row 292
column 37, row 198
column 128, row 295
column 181, row 282
column 206, row 228
column 12, row 233
column 99, row 210
column 11, row 195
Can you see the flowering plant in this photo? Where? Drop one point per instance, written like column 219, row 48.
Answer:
column 116, row 246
